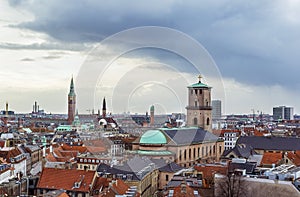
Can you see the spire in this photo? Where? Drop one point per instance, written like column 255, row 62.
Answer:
column 104, row 108
column 72, row 92
column 104, row 104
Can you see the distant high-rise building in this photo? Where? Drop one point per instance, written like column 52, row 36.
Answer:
column 216, row 109
column 199, row 106
column 71, row 103
column 283, row 113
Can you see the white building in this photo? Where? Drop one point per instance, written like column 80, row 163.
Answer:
column 230, row 138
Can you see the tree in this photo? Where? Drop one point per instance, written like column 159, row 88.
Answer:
column 231, row 185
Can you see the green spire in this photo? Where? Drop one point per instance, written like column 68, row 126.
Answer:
column 72, row 92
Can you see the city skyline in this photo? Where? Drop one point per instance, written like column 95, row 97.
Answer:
column 41, row 51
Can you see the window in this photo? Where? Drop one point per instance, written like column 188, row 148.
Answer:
column 190, row 153
column 191, row 91
column 167, row 177
column 195, row 103
column 195, row 121
column 184, row 154
column 200, row 91
column 207, row 121
column 196, row 91
column 180, row 155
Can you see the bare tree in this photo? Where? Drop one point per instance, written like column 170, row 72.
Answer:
column 231, row 185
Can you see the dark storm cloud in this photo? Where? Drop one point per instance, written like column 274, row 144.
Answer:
column 255, row 42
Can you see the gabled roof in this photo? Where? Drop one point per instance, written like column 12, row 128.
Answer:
column 189, row 135
column 271, row 142
column 53, row 179
column 240, row 150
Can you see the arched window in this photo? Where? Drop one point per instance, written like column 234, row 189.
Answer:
column 195, row 121
column 207, row 121
column 184, row 154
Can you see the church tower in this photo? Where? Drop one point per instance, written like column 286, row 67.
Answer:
column 152, row 115
column 71, row 103
column 199, row 106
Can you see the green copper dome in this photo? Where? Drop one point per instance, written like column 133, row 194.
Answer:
column 152, row 108
column 153, row 137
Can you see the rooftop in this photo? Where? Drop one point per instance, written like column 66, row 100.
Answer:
column 153, row 137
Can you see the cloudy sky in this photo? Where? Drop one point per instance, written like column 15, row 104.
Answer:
column 254, row 45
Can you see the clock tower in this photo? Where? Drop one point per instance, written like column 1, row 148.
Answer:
column 71, row 103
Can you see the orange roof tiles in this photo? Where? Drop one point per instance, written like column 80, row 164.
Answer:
column 209, row 171
column 52, row 178
column 179, row 191
column 63, row 195
column 270, row 158
column 119, row 187
column 294, row 157
column 80, row 149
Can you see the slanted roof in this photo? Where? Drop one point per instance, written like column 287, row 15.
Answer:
column 248, row 166
column 240, row 150
column 171, row 167
column 178, row 191
column 52, row 178
column 271, row 142
column 189, row 135
column 294, row 157
column 270, row 158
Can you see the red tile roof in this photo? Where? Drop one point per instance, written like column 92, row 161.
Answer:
column 270, row 158
column 52, row 178
column 80, row 149
column 119, row 187
column 63, row 195
column 209, row 171
column 294, row 157
column 178, row 191
column 61, row 155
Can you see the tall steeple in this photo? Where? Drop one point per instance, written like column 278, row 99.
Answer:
column 72, row 91
column 71, row 103
column 104, row 108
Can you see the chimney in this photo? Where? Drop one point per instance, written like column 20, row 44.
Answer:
column 6, row 109
column 44, row 151
column 51, row 149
